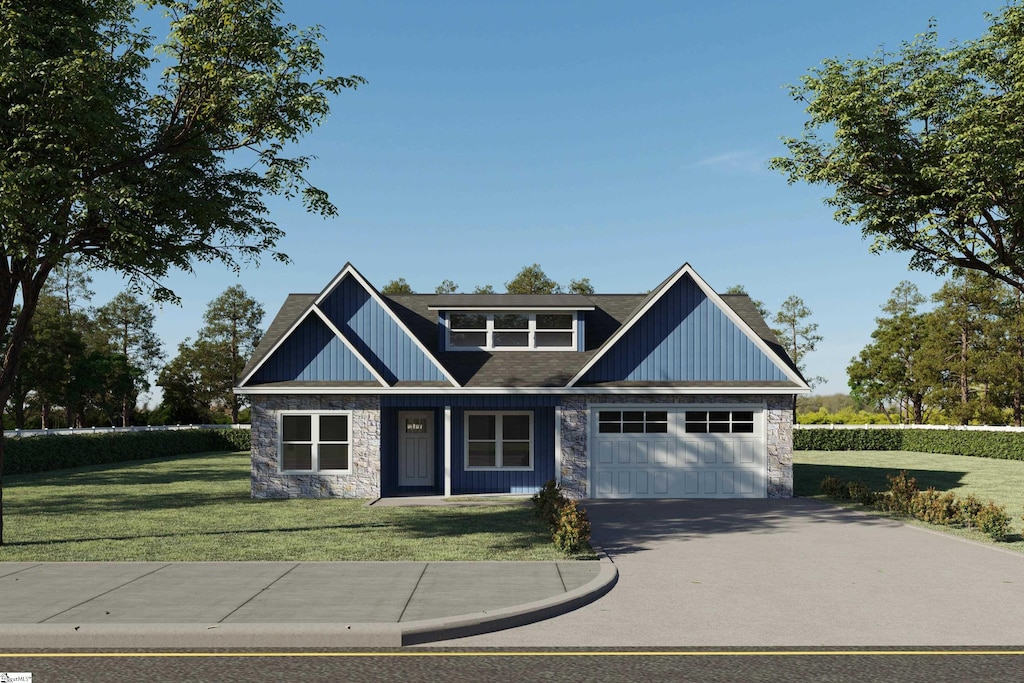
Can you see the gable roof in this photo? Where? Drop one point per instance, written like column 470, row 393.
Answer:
column 786, row 368
column 608, row 317
column 279, row 330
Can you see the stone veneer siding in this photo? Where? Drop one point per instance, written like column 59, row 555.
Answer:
column 363, row 481
column 779, row 436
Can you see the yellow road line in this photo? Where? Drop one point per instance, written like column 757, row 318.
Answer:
column 518, row 653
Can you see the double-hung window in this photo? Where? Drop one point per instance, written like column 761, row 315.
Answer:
column 315, row 442
column 512, row 330
column 499, row 441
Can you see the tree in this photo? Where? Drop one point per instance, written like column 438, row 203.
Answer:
column 399, row 286
column 186, row 398
column 125, row 324
column 231, row 332
column 144, row 176
column 581, row 286
column 446, row 287
column 532, row 280
column 925, row 148
column 759, row 305
column 890, row 372
column 798, row 336
column 958, row 345
column 483, row 289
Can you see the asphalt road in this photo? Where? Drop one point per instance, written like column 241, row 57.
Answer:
column 822, row 665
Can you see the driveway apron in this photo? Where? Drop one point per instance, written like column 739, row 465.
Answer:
column 797, row 572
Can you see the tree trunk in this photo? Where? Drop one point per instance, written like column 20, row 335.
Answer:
column 125, row 412
column 1, row 487
column 45, row 415
column 918, row 402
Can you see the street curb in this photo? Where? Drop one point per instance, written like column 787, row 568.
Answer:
column 429, row 630
column 302, row 635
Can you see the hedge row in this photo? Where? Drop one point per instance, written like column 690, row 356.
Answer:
column 43, row 453
column 1001, row 445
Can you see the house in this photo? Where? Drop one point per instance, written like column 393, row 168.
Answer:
column 678, row 393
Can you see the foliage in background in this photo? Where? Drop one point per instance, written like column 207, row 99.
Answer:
column 44, row 453
column 984, row 444
column 797, row 334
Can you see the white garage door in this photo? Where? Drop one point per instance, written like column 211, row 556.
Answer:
column 662, row 451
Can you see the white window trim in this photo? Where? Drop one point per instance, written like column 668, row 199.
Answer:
column 497, row 441
column 531, row 330
column 314, row 440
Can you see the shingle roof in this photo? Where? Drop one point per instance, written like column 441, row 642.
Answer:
column 512, row 369
column 491, row 301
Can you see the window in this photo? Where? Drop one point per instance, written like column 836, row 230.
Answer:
column 499, row 441
column 632, row 422
column 315, row 442
column 514, row 331
column 719, row 422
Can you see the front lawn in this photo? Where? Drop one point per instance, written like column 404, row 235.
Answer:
column 1001, row 481
column 197, row 508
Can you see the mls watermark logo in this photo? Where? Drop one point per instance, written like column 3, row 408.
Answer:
column 15, row 677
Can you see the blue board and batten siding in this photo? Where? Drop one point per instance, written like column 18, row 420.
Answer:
column 684, row 337
column 462, row 481
column 311, row 353
column 378, row 337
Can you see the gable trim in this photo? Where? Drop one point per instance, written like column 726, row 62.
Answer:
column 349, row 270
column 349, row 346
column 280, row 342
column 686, row 269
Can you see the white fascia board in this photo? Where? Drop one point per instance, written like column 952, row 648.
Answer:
column 348, row 345
column 524, row 309
column 686, row 269
column 349, row 270
column 275, row 347
column 521, row 391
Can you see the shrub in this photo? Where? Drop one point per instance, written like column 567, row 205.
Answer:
column 934, row 507
column 858, row 492
column 848, row 439
column 547, row 501
column 43, row 453
column 571, row 532
column 967, row 510
column 1001, row 445
column 900, row 496
column 834, row 487
column 993, row 520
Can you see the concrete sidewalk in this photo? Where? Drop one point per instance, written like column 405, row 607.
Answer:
column 282, row 604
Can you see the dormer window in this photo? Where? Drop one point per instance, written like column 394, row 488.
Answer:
column 507, row 330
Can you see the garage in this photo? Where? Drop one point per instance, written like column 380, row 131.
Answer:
column 678, row 451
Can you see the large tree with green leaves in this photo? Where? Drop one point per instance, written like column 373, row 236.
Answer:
column 924, row 148
column 142, row 157
column 890, row 373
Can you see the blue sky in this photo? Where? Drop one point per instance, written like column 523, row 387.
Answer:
column 608, row 140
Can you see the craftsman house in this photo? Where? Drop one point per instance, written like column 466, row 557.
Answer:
column 678, row 393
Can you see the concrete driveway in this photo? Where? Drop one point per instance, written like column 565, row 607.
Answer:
column 783, row 573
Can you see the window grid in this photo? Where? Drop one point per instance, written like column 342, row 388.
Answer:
column 507, row 445
column 719, row 422
column 632, row 421
column 513, row 331
column 310, row 440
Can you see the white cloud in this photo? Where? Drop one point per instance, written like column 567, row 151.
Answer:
column 743, row 160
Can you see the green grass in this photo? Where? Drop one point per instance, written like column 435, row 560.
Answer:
column 197, row 508
column 1001, row 481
